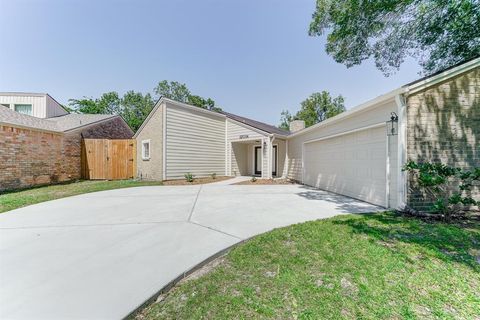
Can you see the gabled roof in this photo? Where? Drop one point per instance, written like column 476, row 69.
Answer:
column 257, row 124
column 267, row 128
column 63, row 123
column 73, row 120
column 12, row 117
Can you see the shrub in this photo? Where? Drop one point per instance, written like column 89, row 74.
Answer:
column 214, row 176
column 189, row 177
column 450, row 187
column 254, row 179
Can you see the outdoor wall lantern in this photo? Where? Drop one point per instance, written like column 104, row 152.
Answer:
column 392, row 125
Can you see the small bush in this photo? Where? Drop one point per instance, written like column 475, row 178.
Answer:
column 254, row 179
column 189, row 177
column 214, row 176
column 449, row 187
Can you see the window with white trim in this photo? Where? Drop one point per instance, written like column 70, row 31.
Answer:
column 146, row 149
column 24, row 108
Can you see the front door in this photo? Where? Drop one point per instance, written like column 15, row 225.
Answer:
column 258, row 160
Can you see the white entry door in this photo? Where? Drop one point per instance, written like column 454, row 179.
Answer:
column 353, row 165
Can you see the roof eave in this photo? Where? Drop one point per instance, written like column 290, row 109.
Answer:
column 355, row 110
column 447, row 74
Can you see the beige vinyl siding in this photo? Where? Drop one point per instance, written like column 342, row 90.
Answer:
column 151, row 169
column 240, row 164
column 377, row 114
column 38, row 103
column 235, row 130
column 195, row 142
column 53, row 109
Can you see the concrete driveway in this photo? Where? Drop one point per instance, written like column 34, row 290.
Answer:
column 101, row 255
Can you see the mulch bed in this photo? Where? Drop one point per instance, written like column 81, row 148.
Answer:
column 204, row 180
column 266, row 182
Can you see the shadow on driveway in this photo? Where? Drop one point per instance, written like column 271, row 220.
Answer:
column 343, row 203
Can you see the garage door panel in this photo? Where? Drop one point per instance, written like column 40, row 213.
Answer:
column 352, row 164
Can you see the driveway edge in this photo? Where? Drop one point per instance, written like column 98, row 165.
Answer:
column 182, row 276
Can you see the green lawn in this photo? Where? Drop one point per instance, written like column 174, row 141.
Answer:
column 17, row 199
column 378, row 266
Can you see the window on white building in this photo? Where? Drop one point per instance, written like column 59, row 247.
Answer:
column 24, row 108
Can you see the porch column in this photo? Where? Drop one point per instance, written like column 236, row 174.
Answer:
column 269, row 158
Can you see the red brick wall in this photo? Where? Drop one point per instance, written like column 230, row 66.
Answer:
column 31, row 157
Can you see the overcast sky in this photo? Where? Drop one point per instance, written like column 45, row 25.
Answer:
column 253, row 57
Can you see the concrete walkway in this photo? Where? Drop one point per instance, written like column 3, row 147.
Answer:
column 230, row 181
column 101, row 255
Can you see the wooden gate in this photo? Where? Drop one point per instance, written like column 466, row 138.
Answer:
column 106, row 159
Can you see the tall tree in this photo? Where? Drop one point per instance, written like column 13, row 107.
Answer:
column 133, row 106
column 172, row 90
column 316, row 108
column 285, row 119
column 179, row 92
column 439, row 33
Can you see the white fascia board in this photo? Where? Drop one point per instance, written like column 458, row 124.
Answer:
column 193, row 108
column 354, row 111
column 430, row 81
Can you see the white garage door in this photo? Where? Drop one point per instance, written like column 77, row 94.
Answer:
column 352, row 164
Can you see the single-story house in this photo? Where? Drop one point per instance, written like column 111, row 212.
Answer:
column 356, row 153
column 46, row 148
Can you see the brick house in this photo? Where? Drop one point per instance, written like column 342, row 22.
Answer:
column 42, row 150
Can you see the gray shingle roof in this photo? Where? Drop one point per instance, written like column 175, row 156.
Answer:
column 73, row 120
column 257, row 124
column 60, row 124
column 9, row 116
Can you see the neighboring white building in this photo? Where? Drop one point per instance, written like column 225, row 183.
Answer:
column 40, row 105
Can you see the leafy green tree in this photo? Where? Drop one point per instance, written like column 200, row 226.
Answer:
column 172, row 90
column 316, row 108
column 135, row 108
column 108, row 103
column 285, row 119
column 179, row 92
column 439, row 33
column 85, row 105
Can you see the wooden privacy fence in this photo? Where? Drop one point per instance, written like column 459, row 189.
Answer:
column 106, row 159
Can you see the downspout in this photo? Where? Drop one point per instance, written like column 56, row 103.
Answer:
column 402, row 150
column 387, row 187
